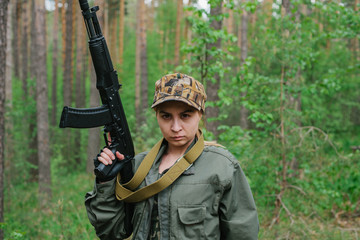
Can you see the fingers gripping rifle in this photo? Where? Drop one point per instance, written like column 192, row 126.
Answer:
column 111, row 114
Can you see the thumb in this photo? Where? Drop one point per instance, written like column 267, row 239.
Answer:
column 120, row 156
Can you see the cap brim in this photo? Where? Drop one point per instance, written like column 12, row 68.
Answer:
column 176, row 99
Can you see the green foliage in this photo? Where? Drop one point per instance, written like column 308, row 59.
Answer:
column 318, row 70
column 305, row 58
column 198, row 65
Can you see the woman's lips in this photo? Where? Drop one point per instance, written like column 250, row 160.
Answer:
column 178, row 138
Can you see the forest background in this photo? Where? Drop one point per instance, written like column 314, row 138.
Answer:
column 283, row 86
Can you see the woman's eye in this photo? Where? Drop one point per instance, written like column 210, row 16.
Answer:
column 185, row 115
column 165, row 116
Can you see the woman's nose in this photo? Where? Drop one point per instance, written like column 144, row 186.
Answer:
column 176, row 125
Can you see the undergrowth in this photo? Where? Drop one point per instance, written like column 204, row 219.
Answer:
column 63, row 218
column 308, row 214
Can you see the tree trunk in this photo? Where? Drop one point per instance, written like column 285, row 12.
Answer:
column 228, row 24
column 31, row 94
column 68, row 74
column 121, row 33
column 79, row 77
column 81, row 40
column 17, row 46
column 74, row 92
column 178, row 32
column 25, row 42
column 113, row 12
column 105, row 26
column 17, row 38
column 63, row 29
column 213, row 85
column 244, row 113
column 67, row 87
column 143, row 63
column 9, row 127
column 138, row 113
column 9, row 57
column 55, row 64
column 42, row 105
column 84, row 66
column 187, row 31
column 3, row 28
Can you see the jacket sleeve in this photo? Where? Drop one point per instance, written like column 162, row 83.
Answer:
column 105, row 212
column 238, row 215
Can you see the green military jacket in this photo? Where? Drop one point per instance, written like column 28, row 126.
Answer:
column 210, row 200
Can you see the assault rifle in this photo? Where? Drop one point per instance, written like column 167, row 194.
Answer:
column 111, row 114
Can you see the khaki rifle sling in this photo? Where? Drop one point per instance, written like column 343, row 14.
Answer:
column 124, row 192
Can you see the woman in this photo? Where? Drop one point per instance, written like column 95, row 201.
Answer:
column 210, row 199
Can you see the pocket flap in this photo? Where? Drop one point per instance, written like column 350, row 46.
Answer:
column 192, row 214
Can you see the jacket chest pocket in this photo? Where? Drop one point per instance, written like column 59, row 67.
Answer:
column 191, row 219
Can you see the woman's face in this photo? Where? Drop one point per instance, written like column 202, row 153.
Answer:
column 178, row 123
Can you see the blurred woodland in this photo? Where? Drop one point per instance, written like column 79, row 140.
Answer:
column 283, row 85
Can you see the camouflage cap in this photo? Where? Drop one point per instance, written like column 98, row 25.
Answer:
column 180, row 87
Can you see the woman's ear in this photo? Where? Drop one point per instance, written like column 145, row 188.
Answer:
column 201, row 114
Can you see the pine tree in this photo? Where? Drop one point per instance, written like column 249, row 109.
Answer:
column 3, row 32
column 55, row 64
column 42, row 105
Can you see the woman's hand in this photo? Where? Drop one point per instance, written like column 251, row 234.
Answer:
column 107, row 156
